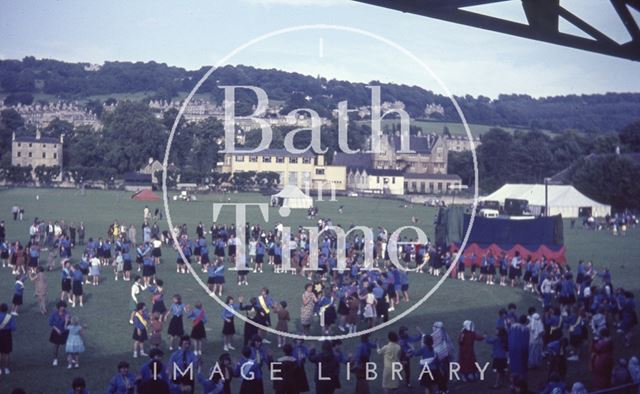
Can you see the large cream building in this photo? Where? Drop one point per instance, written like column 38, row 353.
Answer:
column 36, row 151
column 302, row 170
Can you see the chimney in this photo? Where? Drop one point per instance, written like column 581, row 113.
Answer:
column 62, row 138
column 13, row 136
column 38, row 134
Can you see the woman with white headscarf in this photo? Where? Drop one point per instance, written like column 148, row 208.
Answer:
column 467, row 339
column 536, row 333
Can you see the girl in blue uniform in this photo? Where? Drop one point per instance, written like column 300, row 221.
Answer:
column 140, row 324
column 204, row 254
column 176, row 325
column 491, row 269
column 18, row 293
column 148, row 269
column 187, row 250
column 215, row 280
column 34, row 257
column 126, row 257
column 198, row 333
column 76, row 286
column 504, row 265
column 228, row 326
column 260, row 250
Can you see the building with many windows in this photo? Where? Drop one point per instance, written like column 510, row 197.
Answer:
column 428, row 154
column 431, row 183
column 376, row 181
column 390, row 171
column 36, row 151
column 303, row 170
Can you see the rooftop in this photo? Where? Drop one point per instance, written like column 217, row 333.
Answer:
column 43, row 140
column 437, row 177
column 274, row 152
column 383, row 172
column 353, row 160
column 418, row 144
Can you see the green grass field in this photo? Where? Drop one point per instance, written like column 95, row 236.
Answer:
column 108, row 337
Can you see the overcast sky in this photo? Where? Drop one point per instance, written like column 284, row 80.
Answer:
column 201, row 32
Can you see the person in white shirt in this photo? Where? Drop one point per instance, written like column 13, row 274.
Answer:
column 95, row 270
column 136, row 288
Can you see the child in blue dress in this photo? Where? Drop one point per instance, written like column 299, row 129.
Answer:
column 75, row 344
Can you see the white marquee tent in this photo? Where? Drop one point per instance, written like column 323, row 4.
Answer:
column 292, row 197
column 563, row 199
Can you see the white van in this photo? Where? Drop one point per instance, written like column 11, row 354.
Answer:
column 488, row 213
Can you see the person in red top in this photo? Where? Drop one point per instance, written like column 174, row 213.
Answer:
column 467, row 340
column 602, row 360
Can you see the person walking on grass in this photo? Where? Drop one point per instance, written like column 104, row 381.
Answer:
column 118, row 266
column 136, row 288
column 40, row 285
column 228, row 326
column 58, row 323
column 198, row 333
column 7, row 327
column 283, row 321
column 18, row 295
column 429, row 376
column 215, row 280
column 391, row 356
column 94, row 270
column 176, row 325
column 65, row 284
column 467, row 356
column 499, row 345
column 155, row 339
column 76, row 286
column 140, row 324
column 75, row 345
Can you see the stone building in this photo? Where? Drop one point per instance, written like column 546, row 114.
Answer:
column 42, row 115
column 460, row 143
column 36, row 151
column 428, row 154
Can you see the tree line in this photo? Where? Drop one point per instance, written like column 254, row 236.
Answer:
column 132, row 134
column 21, row 79
column 605, row 167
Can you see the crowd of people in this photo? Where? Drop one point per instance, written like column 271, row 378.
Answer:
column 576, row 319
column 617, row 223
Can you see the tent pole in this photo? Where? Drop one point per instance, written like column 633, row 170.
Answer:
column 546, row 196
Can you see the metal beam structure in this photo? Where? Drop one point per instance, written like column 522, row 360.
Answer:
column 543, row 17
